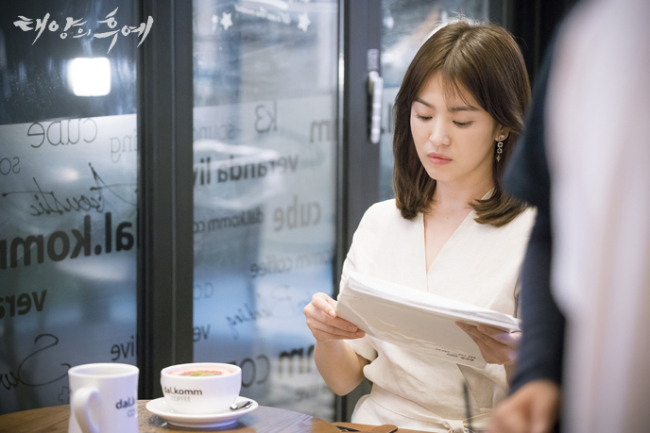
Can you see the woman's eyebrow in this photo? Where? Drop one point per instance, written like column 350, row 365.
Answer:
column 423, row 102
column 450, row 109
column 462, row 108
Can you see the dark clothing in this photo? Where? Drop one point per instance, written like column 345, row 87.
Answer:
column 527, row 178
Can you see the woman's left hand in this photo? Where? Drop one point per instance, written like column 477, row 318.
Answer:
column 497, row 346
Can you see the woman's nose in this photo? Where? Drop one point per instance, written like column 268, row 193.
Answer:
column 439, row 134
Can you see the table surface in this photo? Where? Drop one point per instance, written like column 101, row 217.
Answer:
column 262, row 420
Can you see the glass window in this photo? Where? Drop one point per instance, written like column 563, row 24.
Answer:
column 265, row 83
column 68, row 189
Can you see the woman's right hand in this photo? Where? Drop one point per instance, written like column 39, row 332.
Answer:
column 323, row 323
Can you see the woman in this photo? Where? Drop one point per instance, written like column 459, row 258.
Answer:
column 451, row 230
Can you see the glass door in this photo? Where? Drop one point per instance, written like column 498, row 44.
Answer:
column 382, row 38
column 265, row 147
column 68, row 193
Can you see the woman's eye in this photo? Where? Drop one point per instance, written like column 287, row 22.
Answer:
column 463, row 124
column 422, row 117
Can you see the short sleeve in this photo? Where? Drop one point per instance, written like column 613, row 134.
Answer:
column 362, row 346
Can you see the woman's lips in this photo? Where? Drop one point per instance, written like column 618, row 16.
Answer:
column 438, row 159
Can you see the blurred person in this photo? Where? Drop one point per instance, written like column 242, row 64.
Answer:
column 451, row 230
column 538, row 379
column 598, row 147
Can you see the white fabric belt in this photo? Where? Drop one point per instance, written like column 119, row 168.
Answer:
column 410, row 409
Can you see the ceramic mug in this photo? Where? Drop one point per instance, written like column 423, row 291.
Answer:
column 200, row 394
column 103, row 398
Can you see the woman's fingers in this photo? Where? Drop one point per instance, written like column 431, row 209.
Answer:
column 333, row 303
column 328, row 305
column 490, row 330
column 489, row 354
column 475, row 336
column 324, row 303
column 339, row 323
column 486, row 333
column 326, row 331
column 334, row 331
column 472, row 331
column 493, row 351
column 504, row 337
column 323, row 322
column 480, row 344
column 319, row 316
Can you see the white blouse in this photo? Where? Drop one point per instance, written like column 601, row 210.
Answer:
column 479, row 265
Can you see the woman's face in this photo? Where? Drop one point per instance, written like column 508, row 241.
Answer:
column 454, row 139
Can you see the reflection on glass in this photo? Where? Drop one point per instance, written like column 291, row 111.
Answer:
column 89, row 76
column 406, row 24
column 264, row 187
column 68, row 178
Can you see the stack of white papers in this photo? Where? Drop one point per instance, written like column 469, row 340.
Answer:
column 417, row 320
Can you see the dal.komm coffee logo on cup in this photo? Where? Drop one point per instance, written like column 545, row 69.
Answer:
column 104, row 398
column 201, row 388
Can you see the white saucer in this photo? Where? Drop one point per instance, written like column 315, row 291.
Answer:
column 160, row 407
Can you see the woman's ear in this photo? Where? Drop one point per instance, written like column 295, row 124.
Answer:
column 502, row 133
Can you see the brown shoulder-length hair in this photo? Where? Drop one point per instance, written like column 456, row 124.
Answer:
column 485, row 61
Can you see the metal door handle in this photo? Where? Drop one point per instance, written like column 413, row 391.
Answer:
column 375, row 90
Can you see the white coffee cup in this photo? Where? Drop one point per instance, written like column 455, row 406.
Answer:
column 201, row 394
column 104, row 398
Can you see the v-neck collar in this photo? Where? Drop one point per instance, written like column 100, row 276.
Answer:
column 468, row 219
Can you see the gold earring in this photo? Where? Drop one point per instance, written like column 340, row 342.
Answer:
column 500, row 147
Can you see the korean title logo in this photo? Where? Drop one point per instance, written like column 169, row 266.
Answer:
column 75, row 27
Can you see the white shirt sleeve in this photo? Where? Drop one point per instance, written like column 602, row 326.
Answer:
column 362, row 346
